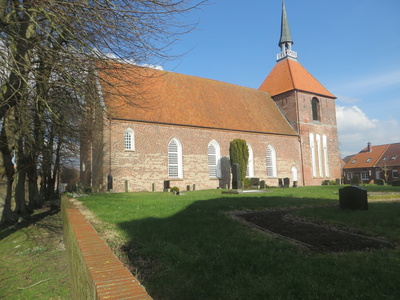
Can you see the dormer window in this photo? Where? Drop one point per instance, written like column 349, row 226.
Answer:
column 385, row 158
column 368, row 160
column 354, row 161
column 315, row 109
column 393, row 157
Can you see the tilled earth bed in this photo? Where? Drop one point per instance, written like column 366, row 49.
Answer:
column 316, row 236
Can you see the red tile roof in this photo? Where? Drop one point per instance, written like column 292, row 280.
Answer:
column 365, row 159
column 391, row 157
column 172, row 98
column 382, row 155
column 290, row 75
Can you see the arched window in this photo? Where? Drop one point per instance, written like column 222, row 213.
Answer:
column 312, row 148
column 326, row 158
column 214, row 159
column 250, row 163
column 294, row 173
column 271, row 162
column 175, row 159
column 315, row 109
column 129, row 139
column 319, row 153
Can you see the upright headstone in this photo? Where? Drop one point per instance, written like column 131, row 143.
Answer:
column 188, row 188
column 353, row 197
column 280, row 182
column 235, row 177
column 286, row 182
column 255, row 182
column 153, row 187
column 126, row 186
column 262, row 184
column 194, row 187
column 109, row 182
column 295, row 183
column 338, row 181
column 167, row 186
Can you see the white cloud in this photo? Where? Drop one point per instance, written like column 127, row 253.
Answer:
column 356, row 129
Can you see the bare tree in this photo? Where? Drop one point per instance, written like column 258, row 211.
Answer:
column 48, row 50
column 386, row 169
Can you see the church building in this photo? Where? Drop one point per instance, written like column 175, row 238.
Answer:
column 179, row 128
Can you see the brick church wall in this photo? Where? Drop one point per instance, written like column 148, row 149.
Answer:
column 300, row 116
column 148, row 163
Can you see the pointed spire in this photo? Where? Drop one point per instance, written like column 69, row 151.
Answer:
column 286, row 41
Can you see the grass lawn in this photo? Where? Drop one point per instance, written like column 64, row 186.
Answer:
column 187, row 248
column 33, row 263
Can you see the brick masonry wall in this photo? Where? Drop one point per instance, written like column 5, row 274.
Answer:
column 148, row 164
column 95, row 271
column 300, row 116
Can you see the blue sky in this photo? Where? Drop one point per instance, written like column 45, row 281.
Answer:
column 351, row 46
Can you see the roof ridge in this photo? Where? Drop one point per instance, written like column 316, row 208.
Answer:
column 291, row 76
column 383, row 152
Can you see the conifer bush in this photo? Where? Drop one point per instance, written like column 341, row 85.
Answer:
column 239, row 154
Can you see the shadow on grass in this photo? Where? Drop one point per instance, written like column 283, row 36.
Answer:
column 48, row 209
column 201, row 253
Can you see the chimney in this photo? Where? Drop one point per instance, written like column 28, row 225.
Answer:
column 369, row 147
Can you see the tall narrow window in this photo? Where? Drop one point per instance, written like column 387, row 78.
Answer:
column 250, row 163
column 312, row 149
column 271, row 162
column 326, row 157
column 319, row 153
column 315, row 109
column 129, row 139
column 294, row 173
column 214, row 159
column 175, row 159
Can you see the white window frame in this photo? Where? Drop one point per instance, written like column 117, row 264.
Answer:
column 175, row 168
column 214, row 159
column 319, row 153
column 271, row 161
column 294, row 173
column 364, row 175
column 129, row 140
column 312, row 149
column 326, row 157
column 395, row 171
column 250, row 163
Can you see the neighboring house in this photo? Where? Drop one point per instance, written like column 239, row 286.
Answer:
column 180, row 132
column 374, row 162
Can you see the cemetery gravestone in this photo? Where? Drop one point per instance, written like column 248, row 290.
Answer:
column 262, row 184
column 353, row 197
column 286, row 182
column 235, row 177
column 255, row 182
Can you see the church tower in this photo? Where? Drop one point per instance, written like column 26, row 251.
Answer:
column 310, row 109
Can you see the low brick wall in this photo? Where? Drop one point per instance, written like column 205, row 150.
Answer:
column 96, row 273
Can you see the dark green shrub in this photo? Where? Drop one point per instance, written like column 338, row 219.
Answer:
column 175, row 189
column 247, row 183
column 239, row 154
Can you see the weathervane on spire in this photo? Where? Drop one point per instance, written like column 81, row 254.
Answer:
column 286, row 41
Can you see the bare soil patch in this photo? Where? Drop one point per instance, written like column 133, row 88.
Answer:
column 316, row 236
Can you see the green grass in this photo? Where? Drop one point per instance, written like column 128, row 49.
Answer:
column 189, row 249
column 33, row 263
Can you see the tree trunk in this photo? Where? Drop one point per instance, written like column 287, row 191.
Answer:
column 33, row 194
column 20, row 199
column 8, row 216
